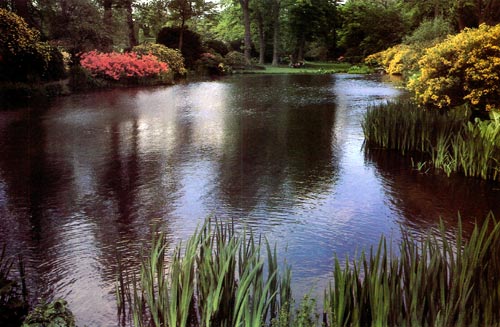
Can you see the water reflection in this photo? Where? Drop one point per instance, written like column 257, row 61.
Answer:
column 84, row 180
column 423, row 199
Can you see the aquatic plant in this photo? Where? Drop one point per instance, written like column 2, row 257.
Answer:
column 450, row 140
column 217, row 279
column 223, row 279
column 13, row 295
column 433, row 282
column 55, row 313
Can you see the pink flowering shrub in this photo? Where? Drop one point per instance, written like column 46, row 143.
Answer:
column 122, row 65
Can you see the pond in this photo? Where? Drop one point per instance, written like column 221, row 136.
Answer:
column 85, row 178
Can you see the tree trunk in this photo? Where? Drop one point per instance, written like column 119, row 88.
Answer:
column 108, row 24
column 276, row 32
column 108, row 13
column 262, row 39
column 246, row 23
column 181, row 35
column 132, row 40
column 302, row 44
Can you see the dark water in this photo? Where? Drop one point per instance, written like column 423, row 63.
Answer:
column 84, row 179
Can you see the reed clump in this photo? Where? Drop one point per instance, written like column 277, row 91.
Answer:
column 433, row 281
column 217, row 278
column 220, row 278
column 451, row 142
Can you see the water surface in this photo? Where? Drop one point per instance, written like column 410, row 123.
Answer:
column 84, row 178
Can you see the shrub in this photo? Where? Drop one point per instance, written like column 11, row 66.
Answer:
column 235, row 59
column 55, row 313
column 172, row 57
column 402, row 59
column 216, row 46
column 211, row 64
column 22, row 55
column 192, row 47
column 429, row 31
column 56, row 66
column 465, row 68
column 119, row 66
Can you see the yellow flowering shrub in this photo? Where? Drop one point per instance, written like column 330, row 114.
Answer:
column 20, row 47
column 464, row 68
column 397, row 60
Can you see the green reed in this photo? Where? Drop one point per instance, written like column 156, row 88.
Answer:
column 217, row 278
column 451, row 142
column 433, row 282
column 220, row 278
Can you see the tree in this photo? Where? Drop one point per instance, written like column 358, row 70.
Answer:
column 304, row 29
column 132, row 40
column 192, row 49
column 151, row 16
column 276, row 9
column 246, row 23
column 369, row 27
column 183, row 10
column 77, row 25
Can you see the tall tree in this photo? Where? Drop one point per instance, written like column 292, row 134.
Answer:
column 132, row 40
column 183, row 10
column 276, row 8
column 151, row 16
column 246, row 23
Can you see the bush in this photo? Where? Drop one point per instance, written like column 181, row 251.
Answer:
column 192, row 47
column 54, row 314
column 465, row 68
column 172, row 57
column 402, row 59
column 216, row 46
column 56, row 66
column 120, row 66
column 22, row 56
column 211, row 64
column 430, row 31
column 235, row 59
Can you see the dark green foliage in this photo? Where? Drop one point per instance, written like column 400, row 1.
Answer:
column 13, row 305
column 217, row 47
column 236, row 45
column 370, row 27
column 211, row 64
column 235, row 59
column 54, row 314
column 430, row 31
column 55, row 67
column 192, row 46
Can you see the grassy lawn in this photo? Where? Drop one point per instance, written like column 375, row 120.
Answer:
column 312, row 68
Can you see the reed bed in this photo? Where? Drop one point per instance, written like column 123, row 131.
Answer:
column 449, row 140
column 433, row 282
column 217, row 278
column 225, row 279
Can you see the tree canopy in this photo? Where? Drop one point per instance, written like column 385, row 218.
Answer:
column 270, row 30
